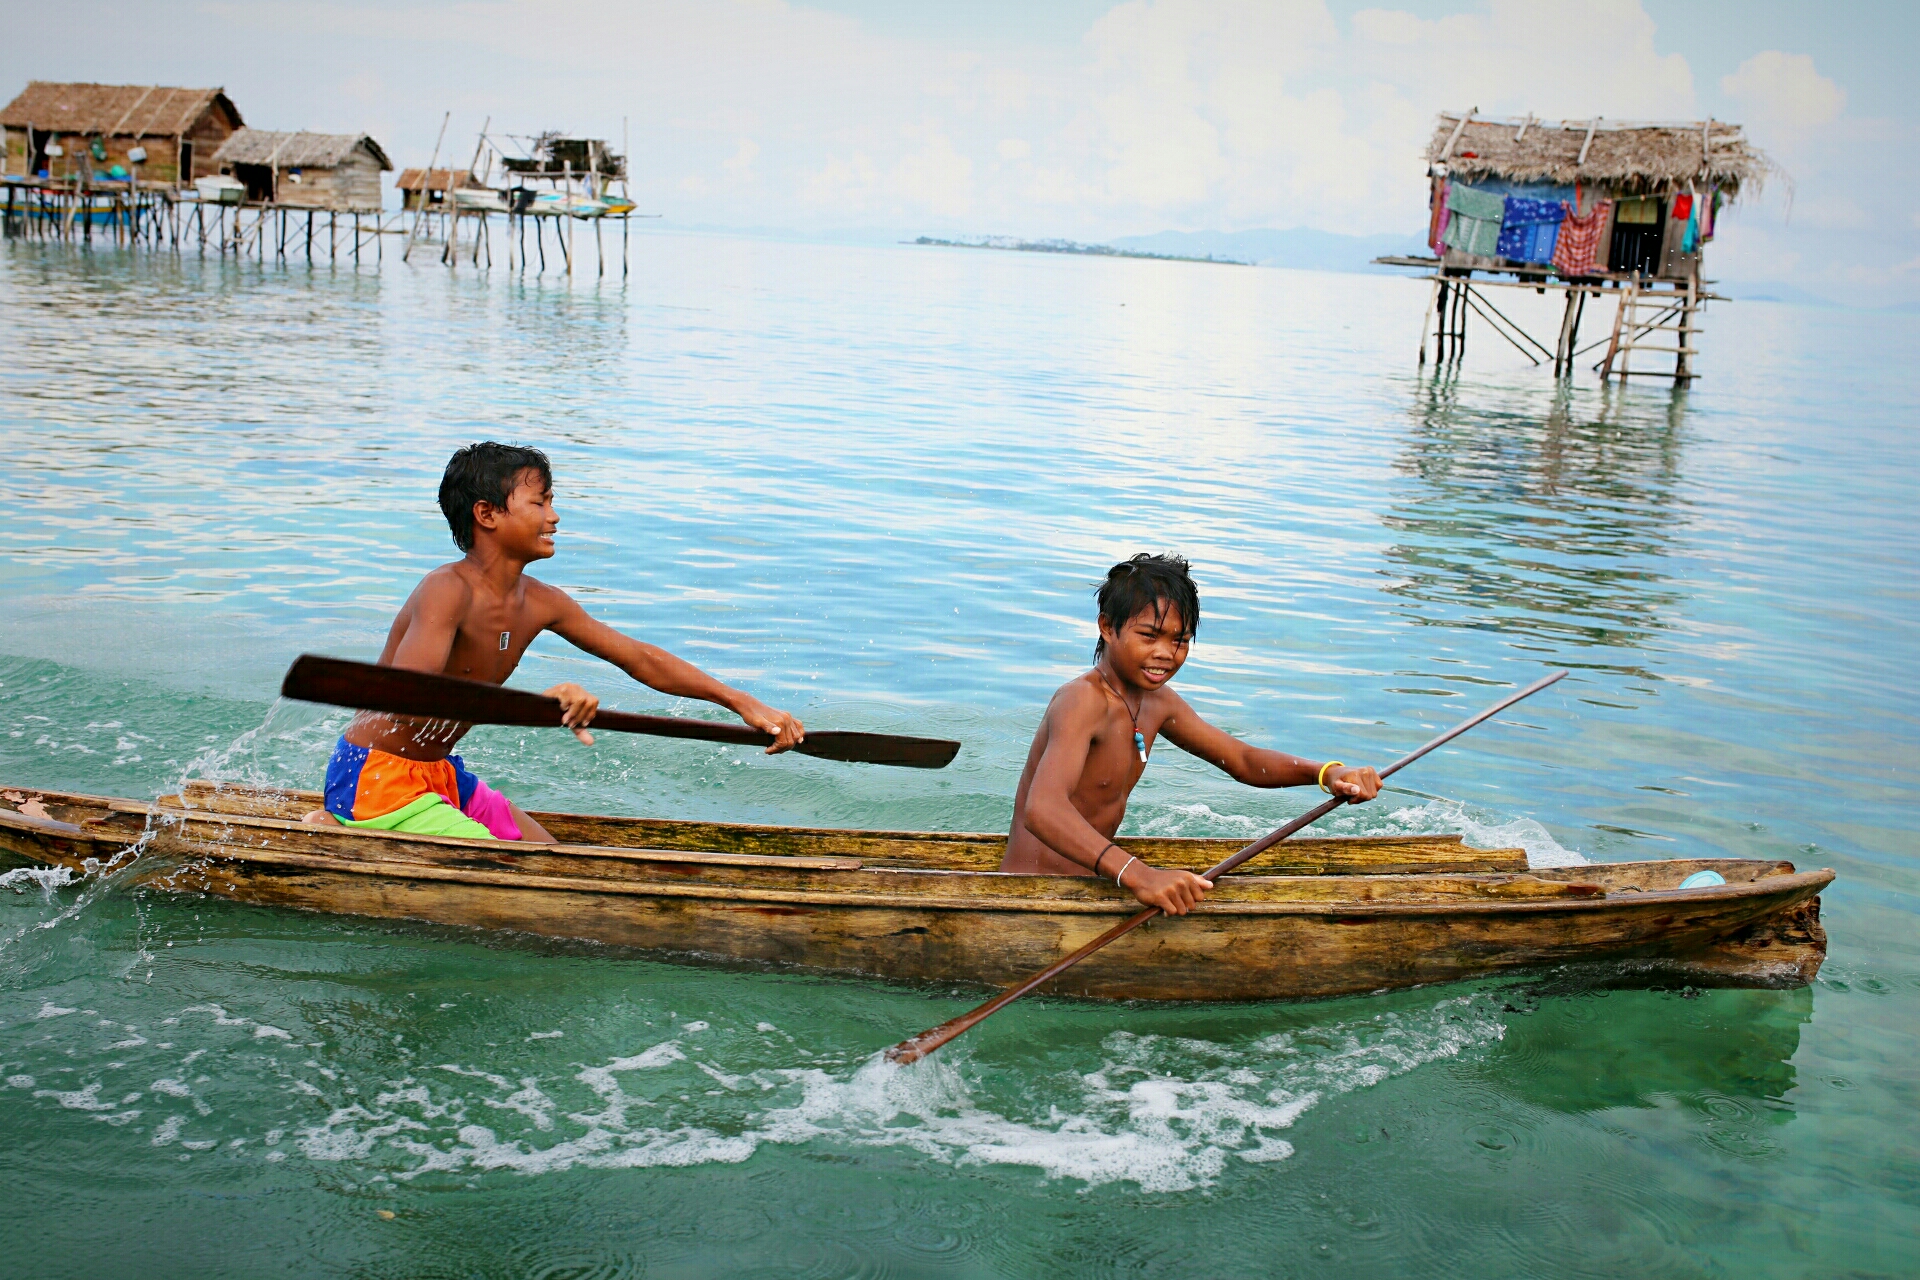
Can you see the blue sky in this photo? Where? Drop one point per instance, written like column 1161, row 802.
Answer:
column 1073, row 118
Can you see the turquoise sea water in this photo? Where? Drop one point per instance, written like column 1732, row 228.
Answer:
column 877, row 486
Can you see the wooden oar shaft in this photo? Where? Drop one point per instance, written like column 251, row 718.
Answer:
column 918, row 1047
column 397, row 691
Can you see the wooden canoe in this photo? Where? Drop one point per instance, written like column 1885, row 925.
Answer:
column 1317, row 917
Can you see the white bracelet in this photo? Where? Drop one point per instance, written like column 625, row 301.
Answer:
column 1123, row 871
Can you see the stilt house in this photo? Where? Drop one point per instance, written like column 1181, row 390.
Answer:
column 427, row 188
column 336, row 171
column 157, row 133
column 1583, row 199
column 1587, row 207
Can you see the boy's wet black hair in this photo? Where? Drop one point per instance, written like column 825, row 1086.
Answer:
column 1147, row 582
column 485, row 472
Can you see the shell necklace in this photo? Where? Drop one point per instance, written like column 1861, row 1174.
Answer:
column 1139, row 738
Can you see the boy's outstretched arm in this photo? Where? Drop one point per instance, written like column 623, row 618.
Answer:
column 658, row 669
column 1256, row 766
column 1072, row 719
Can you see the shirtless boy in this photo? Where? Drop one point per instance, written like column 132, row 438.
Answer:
column 1099, row 731
column 474, row 618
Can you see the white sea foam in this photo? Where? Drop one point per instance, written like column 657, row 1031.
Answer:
column 87, row 1099
column 1166, row 1114
column 46, row 878
column 1451, row 816
column 1436, row 817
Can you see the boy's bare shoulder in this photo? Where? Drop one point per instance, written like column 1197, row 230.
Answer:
column 547, row 597
column 1080, row 696
column 445, row 586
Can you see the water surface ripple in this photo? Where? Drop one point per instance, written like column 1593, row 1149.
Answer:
column 877, row 486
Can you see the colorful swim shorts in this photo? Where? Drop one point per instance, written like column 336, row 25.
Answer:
column 371, row 788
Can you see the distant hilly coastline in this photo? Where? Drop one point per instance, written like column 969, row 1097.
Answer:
column 1300, row 248
column 1014, row 244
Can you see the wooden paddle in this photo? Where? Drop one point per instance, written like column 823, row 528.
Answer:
column 400, row 692
column 918, row 1047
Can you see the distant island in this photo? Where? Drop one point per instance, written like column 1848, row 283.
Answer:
column 1015, row 245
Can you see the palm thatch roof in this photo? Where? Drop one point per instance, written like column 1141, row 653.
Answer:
column 1635, row 157
column 435, row 180
column 114, row 110
column 296, row 150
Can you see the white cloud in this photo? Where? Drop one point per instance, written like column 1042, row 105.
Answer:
column 935, row 178
column 740, row 163
column 1784, row 90
column 1831, row 212
column 1555, row 58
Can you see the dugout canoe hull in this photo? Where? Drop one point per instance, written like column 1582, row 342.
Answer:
column 909, row 907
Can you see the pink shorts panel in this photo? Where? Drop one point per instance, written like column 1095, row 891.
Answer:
column 489, row 808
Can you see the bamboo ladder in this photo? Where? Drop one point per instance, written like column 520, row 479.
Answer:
column 1645, row 312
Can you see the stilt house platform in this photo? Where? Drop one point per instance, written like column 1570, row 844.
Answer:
column 1587, row 208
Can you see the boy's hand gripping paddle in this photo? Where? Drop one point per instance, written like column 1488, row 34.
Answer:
column 927, row 1041
column 400, row 692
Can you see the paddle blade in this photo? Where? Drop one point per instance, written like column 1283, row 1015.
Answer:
column 880, row 748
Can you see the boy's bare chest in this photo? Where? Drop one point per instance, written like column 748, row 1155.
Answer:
column 1113, row 763
column 491, row 639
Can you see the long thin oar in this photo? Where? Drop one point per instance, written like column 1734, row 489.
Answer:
column 400, row 692
column 918, row 1047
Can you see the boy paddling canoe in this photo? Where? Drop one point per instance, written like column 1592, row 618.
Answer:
column 1095, row 740
column 474, row 618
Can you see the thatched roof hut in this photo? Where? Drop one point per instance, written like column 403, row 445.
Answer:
column 1583, row 198
column 1626, row 157
column 178, row 129
column 339, row 171
column 430, row 186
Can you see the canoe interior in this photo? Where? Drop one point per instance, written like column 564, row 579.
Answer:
column 933, row 851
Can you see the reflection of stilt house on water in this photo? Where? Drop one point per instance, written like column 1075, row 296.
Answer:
column 1585, row 207
column 339, row 172
column 59, row 131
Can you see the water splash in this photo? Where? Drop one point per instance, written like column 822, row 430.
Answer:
column 1164, row 1113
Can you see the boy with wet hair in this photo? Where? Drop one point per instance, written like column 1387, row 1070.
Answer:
column 1099, row 730
column 474, row 618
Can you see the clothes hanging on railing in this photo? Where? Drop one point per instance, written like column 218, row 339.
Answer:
column 1529, row 228
column 1580, row 239
column 1437, row 224
column 1474, row 224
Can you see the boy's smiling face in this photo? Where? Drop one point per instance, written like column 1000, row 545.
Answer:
column 1150, row 648
column 524, row 528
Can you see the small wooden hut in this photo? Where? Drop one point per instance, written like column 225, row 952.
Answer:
column 1587, row 206
column 159, row 133
column 335, row 171
column 427, row 188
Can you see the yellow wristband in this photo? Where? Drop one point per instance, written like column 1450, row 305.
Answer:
column 1321, row 781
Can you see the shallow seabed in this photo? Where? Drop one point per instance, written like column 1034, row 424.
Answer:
column 877, row 486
